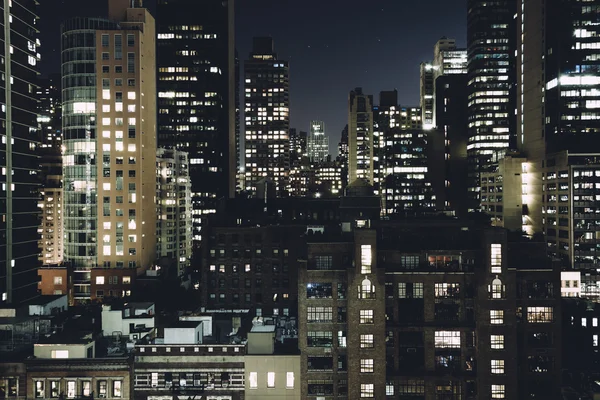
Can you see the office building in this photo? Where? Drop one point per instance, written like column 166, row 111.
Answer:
column 360, row 137
column 19, row 190
column 174, row 209
column 197, row 95
column 427, row 90
column 503, row 188
column 109, row 129
column 450, row 140
column 447, row 60
column 266, row 91
column 318, row 142
column 491, row 46
column 558, row 129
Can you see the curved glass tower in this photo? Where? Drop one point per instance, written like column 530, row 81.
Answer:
column 79, row 139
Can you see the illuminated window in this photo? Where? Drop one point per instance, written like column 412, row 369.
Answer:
column 365, row 259
column 497, row 342
column 60, row 354
column 367, row 390
column 58, row 280
column 320, row 314
column 496, row 289
column 126, row 280
column 99, row 280
column 366, row 316
column 39, row 390
column 447, row 339
column 253, row 378
column 498, row 392
column 540, row 314
column 71, row 389
column 366, row 290
column 289, row 380
column 496, row 258
column 271, row 379
column 366, row 365
column 497, row 366
column 496, row 317
column 106, row 94
column 366, row 341
column 131, row 95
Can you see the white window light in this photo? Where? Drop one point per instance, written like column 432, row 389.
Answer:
column 253, row 378
column 289, row 380
column 271, row 379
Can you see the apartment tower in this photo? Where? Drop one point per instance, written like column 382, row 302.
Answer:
column 109, row 138
column 360, row 137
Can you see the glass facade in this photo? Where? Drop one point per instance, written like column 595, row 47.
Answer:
column 19, row 160
column 491, row 37
column 196, row 96
column 80, row 155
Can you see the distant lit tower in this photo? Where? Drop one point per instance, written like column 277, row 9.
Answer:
column 19, row 157
column 426, row 92
column 402, row 174
column 360, row 136
column 174, row 208
column 197, row 96
column 491, row 45
column 298, row 146
column 267, row 118
column 318, row 142
column 50, row 113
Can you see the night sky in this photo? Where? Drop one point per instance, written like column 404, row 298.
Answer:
column 333, row 46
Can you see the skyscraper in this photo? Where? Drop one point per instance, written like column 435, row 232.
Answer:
column 267, row 118
column 491, row 44
column 18, row 157
column 109, row 138
column 402, row 165
column 559, row 130
column 318, row 142
column 360, row 136
column 196, row 96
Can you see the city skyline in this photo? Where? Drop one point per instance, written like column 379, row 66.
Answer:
column 318, row 93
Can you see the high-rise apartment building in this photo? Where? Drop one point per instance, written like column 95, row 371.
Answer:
column 174, row 209
column 49, row 120
column 361, row 147
column 318, row 142
column 402, row 166
column 559, row 129
column 196, row 96
column 19, row 159
column 267, row 103
column 109, row 139
column 49, row 117
column 491, row 45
